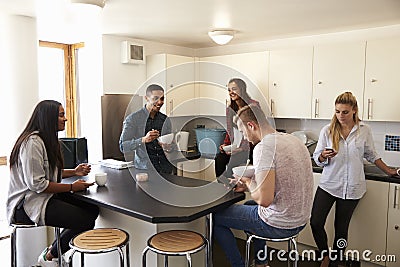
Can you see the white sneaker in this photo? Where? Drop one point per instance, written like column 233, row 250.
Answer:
column 45, row 263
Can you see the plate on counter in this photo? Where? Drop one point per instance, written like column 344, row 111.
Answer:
column 301, row 135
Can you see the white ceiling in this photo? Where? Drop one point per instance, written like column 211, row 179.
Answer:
column 186, row 22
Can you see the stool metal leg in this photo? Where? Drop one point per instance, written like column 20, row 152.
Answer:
column 82, row 259
column 209, row 230
column 189, row 260
column 14, row 247
column 71, row 257
column 144, row 256
column 165, row 261
column 295, row 249
column 58, row 236
column 288, row 253
column 248, row 245
column 121, row 257
column 207, row 253
column 128, row 262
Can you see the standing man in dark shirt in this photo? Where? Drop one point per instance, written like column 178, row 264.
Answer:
column 141, row 130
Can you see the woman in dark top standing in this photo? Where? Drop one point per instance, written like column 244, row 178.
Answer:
column 225, row 161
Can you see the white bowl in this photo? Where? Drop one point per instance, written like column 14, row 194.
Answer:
column 227, row 148
column 249, row 172
column 301, row 135
column 166, row 139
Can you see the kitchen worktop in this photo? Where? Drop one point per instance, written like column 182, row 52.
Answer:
column 124, row 195
column 372, row 172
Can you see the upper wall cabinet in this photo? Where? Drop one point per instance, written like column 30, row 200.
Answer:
column 254, row 67
column 177, row 75
column 382, row 80
column 215, row 72
column 290, row 82
column 337, row 68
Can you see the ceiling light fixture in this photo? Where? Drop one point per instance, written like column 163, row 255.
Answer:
column 221, row 37
column 99, row 3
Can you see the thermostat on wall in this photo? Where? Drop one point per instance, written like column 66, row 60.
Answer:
column 132, row 53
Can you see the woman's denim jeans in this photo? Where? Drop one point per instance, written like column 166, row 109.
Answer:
column 245, row 217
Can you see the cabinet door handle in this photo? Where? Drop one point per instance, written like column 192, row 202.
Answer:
column 316, row 108
column 395, row 201
column 171, row 107
column 369, row 109
column 373, row 80
column 272, row 107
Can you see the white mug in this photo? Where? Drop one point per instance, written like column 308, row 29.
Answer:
column 100, row 178
column 181, row 140
column 142, row 177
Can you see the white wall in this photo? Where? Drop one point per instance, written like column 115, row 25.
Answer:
column 18, row 96
column 18, row 76
column 127, row 78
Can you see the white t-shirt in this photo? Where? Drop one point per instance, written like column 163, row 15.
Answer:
column 291, row 161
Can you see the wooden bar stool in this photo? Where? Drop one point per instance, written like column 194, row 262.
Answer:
column 292, row 246
column 101, row 240
column 176, row 243
column 13, row 236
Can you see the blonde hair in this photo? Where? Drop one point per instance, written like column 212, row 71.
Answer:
column 335, row 128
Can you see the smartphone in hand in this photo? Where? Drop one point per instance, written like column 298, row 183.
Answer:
column 329, row 149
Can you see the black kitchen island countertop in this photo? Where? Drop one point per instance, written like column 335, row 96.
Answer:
column 123, row 194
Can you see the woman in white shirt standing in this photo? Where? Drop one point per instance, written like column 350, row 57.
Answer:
column 341, row 148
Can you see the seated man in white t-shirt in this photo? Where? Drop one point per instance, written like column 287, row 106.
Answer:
column 281, row 186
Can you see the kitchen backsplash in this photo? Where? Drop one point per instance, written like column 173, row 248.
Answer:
column 392, row 143
column 386, row 135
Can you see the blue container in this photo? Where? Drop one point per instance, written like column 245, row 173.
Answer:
column 209, row 140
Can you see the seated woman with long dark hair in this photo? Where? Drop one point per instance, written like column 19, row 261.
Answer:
column 35, row 193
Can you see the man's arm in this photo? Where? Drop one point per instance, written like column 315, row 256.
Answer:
column 128, row 140
column 262, row 189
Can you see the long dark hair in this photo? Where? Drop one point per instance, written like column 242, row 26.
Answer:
column 44, row 119
column 244, row 97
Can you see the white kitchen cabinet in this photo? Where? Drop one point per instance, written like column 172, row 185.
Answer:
column 368, row 225
column 253, row 68
column 216, row 71
column 393, row 231
column 337, row 68
column 305, row 236
column 382, row 80
column 200, row 168
column 213, row 74
column 177, row 75
column 290, row 82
